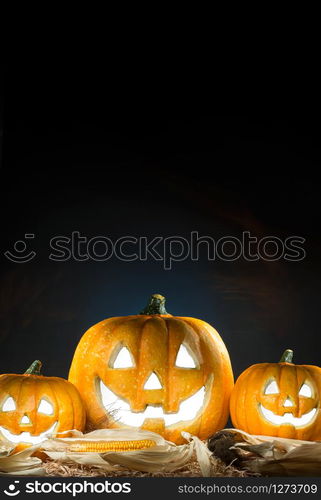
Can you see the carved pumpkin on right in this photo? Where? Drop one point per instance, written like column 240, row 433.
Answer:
column 278, row 399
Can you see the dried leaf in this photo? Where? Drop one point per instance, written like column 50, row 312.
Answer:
column 21, row 463
column 90, row 459
column 203, row 454
column 279, row 456
column 6, row 448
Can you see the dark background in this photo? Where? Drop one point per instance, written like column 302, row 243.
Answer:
column 75, row 159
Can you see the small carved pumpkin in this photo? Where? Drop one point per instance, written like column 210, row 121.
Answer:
column 278, row 399
column 154, row 371
column 33, row 406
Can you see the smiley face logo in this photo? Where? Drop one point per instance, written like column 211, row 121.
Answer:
column 20, row 255
column 13, row 492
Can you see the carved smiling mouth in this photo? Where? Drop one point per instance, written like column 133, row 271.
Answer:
column 188, row 409
column 26, row 437
column 287, row 418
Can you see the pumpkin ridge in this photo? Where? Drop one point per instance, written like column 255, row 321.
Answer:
column 282, row 375
column 197, row 325
column 111, row 332
column 71, row 399
column 21, row 378
column 95, row 330
column 140, row 354
column 8, row 382
column 167, row 326
column 53, row 393
column 58, row 387
column 297, row 381
column 36, row 391
column 252, row 376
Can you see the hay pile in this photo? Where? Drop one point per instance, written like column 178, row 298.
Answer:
column 191, row 469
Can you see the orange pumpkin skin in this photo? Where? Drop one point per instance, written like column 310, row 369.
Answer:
column 248, row 396
column 154, row 340
column 27, row 391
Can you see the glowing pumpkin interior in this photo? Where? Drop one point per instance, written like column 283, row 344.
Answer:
column 154, row 371
column 33, row 407
column 278, row 399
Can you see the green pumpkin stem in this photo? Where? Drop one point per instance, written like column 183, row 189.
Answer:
column 156, row 305
column 34, row 368
column 287, row 356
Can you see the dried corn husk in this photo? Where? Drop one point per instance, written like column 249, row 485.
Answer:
column 21, row 463
column 277, row 456
column 162, row 457
column 203, row 454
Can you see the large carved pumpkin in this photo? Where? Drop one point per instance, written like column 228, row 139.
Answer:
column 155, row 371
column 278, row 399
column 33, row 406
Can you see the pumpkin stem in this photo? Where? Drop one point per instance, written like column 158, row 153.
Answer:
column 156, row 305
column 287, row 356
column 34, row 368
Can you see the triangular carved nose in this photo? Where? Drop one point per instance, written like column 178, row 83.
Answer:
column 288, row 402
column 25, row 420
column 153, row 382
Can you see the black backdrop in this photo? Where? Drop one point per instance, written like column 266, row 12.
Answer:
column 76, row 163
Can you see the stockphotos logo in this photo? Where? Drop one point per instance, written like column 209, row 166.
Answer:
column 167, row 251
column 72, row 488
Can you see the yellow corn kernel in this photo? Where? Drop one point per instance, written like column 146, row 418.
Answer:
column 105, row 446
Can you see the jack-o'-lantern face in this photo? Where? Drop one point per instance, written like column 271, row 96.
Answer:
column 157, row 397
column 154, row 371
column 281, row 399
column 32, row 407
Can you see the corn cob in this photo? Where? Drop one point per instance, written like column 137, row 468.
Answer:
column 107, row 446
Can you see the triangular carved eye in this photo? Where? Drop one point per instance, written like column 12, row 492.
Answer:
column 184, row 359
column 9, row 404
column 123, row 359
column 272, row 388
column 305, row 391
column 45, row 407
